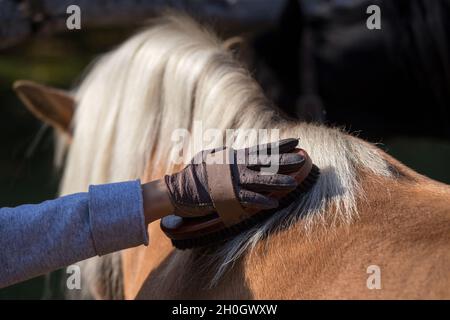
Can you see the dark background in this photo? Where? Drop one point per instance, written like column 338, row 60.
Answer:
column 389, row 86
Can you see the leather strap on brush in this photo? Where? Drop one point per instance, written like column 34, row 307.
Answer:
column 220, row 184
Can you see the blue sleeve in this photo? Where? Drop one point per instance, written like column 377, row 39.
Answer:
column 36, row 239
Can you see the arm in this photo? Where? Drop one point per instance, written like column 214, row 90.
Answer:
column 157, row 203
column 35, row 239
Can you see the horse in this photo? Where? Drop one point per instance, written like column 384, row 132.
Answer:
column 370, row 228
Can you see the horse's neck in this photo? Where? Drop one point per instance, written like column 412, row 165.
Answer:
column 401, row 221
column 403, row 228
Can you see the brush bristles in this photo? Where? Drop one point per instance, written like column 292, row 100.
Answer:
column 229, row 232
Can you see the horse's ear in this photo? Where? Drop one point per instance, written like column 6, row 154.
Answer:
column 240, row 49
column 233, row 43
column 53, row 106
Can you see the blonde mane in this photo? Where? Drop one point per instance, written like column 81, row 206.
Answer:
column 166, row 77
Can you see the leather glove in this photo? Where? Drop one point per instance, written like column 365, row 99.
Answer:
column 188, row 189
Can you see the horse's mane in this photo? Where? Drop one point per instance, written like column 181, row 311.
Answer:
column 167, row 76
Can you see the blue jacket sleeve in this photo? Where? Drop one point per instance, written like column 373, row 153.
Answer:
column 36, row 239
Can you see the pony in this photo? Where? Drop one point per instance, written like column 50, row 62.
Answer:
column 370, row 228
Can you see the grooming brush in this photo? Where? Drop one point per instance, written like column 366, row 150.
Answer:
column 188, row 233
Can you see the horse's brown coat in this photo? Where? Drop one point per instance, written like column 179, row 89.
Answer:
column 403, row 227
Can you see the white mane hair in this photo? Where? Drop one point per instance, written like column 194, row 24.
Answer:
column 164, row 78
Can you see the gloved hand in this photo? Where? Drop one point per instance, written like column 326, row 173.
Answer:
column 188, row 189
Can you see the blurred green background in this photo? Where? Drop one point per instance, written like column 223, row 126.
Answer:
column 26, row 154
